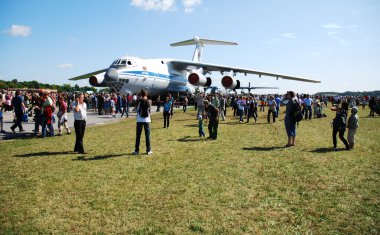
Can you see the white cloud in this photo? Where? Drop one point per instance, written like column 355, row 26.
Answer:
column 332, row 33
column 288, row 35
column 161, row 5
column 65, row 66
column 332, row 26
column 190, row 4
column 19, row 30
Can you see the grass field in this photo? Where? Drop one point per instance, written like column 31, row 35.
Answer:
column 245, row 182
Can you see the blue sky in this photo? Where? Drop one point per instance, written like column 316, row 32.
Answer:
column 335, row 41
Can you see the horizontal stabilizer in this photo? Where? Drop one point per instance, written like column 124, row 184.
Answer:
column 201, row 41
column 257, row 87
column 87, row 75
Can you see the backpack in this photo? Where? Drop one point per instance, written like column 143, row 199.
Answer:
column 296, row 112
column 144, row 108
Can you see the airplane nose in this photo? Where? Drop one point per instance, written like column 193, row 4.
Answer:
column 111, row 75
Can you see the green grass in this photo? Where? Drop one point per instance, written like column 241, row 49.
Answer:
column 243, row 183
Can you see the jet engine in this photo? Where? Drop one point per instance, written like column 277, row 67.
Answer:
column 197, row 79
column 230, row 83
column 97, row 80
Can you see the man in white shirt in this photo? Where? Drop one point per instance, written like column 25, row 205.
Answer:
column 80, row 116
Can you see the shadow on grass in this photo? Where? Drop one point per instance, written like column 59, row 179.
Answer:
column 325, row 150
column 44, row 154
column 264, row 148
column 190, row 139
column 100, row 157
column 191, row 125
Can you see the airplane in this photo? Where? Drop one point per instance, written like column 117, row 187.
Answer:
column 249, row 88
column 128, row 75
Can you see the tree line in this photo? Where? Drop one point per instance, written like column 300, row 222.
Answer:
column 37, row 85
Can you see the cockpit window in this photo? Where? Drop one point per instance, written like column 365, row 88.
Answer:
column 123, row 62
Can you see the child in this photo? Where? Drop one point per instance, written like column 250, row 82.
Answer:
column 113, row 108
column 200, row 126
column 352, row 125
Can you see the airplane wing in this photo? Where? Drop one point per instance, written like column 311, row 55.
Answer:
column 257, row 87
column 87, row 75
column 188, row 65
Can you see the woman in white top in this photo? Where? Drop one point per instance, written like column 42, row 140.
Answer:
column 80, row 116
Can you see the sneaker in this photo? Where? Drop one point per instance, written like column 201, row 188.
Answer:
column 69, row 132
column 135, row 153
column 149, row 152
column 13, row 130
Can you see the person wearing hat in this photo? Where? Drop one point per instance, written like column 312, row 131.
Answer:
column 352, row 125
column 213, row 117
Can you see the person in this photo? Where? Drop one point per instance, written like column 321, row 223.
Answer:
column 200, row 126
column 185, row 103
column 372, row 106
column 171, row 99
column 278, row 104
column 62, row 116
column 48, row 121
column 352, row 125
column 290, row 123
column 213, row 119
column 222, row 107
column 1, row 118
column 241, row 104
column 271, row 109
column 200, row 106
column 308, row 102
column 166, row 113
column 143, row 121
column 339, row 125
column 124, row 104
column 158, row 101
column 80, row 116
column 19, row 107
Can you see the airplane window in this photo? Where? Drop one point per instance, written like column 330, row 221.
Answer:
column 129, row 62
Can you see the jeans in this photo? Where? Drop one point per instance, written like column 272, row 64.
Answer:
column 309, row 111
column 166, row 118
column 139, row 128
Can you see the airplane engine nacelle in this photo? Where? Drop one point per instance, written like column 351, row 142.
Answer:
column 197, row 79
column 97, row 80
column 229, row 82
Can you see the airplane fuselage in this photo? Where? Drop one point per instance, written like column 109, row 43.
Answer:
column 128, row 75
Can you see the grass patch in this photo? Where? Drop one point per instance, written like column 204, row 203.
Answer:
column 245, row 182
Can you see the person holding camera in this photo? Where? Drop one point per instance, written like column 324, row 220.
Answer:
column 80, row 116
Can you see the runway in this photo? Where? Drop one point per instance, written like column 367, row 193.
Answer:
column 93, row 118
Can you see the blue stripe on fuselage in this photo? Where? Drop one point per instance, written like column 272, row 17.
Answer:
column 145, row 73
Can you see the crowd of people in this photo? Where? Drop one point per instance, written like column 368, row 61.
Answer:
column 210, row 108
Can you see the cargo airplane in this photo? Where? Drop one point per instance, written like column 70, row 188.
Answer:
column 161, row 76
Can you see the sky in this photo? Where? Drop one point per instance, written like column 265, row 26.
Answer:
column 334, row 41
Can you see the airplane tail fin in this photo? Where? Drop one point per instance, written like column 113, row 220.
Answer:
column 200, row 42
